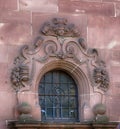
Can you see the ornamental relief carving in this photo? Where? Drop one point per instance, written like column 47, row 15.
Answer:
column 60, row 27
column 59, row 40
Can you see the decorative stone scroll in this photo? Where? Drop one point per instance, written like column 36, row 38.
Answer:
column 20, row 75
column 59, row 40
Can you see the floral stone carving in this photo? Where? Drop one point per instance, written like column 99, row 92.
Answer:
column 20, row 75
column 60, row 27
column 59, row 40
column 100, row 76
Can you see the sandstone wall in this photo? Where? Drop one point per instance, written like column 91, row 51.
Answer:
column 20, row 21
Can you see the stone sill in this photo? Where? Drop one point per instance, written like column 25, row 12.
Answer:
column 51, row 125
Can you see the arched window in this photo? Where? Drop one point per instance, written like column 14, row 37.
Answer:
column 58, row 97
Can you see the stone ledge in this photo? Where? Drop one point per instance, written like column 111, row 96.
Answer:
column 75, row 125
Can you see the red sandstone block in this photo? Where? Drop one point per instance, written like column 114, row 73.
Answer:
column 13, row 52
column 8, row 4
column 15, row 27
column 115, row 55
column 117, row 85
column 8, row 100
column 113, row 104
column 3, row 76
column 15, row 16
column 115, row 72
column 87, row 7
column 111, row 1
column 14, row 33
column 103, row 32
column 105, row 56
column 117, row 9
column 3, row 53
column 79, row 20
column 88, row 0
column 39, row 5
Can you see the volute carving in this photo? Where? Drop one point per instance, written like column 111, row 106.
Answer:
column 59, row 40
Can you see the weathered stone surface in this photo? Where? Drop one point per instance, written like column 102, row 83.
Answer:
column 86, row 7
column 15, row 16
column 116, row 89
column 111, row 1
column 39, row 5
column 115, row 56
column 115, row 71
column 15, row 27
column 3, row 54
column 14, row 33
column 95, row 97
column 88, row 0
column 13, row 51
column 117, row 9
column 113, row 107
column 18, row 125
column 8, row 4
column 20, row 23
column 105, row 55
column 105, row 31
column 2, row 124
column 8, row 101
column 4, row 76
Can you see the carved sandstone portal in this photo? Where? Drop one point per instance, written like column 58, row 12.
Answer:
column 60, row 47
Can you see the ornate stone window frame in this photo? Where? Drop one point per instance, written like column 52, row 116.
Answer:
column 61, row 47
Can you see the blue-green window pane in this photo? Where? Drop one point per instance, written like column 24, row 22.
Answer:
column 58, row 96
column 65, row 112
column 49, row 112
column 65, row 102
column 72, row 102
column 48, row 78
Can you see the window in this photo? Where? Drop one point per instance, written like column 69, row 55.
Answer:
column 58, row 97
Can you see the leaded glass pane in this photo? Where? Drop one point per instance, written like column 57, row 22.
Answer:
column 65, row 102
column 63, row 78
column 48, row 101
column 42, row 101
column 58, row 96
column 55, row 77
column 72, row 102
column 72, row 113
column 48, row 78
column 64, row 87
column 49, row 112
column 48, row 89
column 71, row 89
column 41, row 89
column 65, row 112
